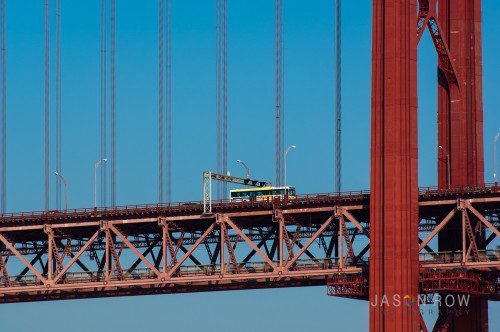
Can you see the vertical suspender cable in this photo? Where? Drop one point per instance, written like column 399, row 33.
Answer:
column 279, row 74
column 218, row 92
column 221, row 86
column 276, row 77
column 58, row 103
column 338, row 81
column 47, row 105
column 161, row 73
column 103, row 102
column 113, row 104
column 224, row 95
column 168, row 105
column 4, row 108
column 282, row 89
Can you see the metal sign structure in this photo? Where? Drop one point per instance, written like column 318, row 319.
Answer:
column 208, row 176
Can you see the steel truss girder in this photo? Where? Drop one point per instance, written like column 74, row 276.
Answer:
column 241, row 241
column 109, row 232
column 469, row 235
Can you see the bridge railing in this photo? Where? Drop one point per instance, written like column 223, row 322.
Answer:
column 184, row 271
column 492, row 187
column 456, row 256
column 318, row 264
column 220, row 204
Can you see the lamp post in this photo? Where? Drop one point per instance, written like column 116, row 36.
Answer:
column 284, row 159
column 96, row 165
column 65, row 186
column 246, row 167
column 495, row 156
column 448, row 166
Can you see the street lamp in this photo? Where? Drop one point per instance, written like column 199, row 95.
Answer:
column 65, row 186
column 96, row 165
column 246, row 167
column 448, row 166
column 284, row 162
column 495, row 156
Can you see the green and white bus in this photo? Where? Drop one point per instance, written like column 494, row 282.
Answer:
column 261, row 194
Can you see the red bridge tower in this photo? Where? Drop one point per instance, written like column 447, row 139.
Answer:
column 456, row 33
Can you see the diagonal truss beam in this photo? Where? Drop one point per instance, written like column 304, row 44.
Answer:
column 21, row 257
column 427, row 17
column 70, row 254
column 423, row 327
column 429, row 249
column 361, row 254
column 260, row 244
column 77, row 256
column 483, row 219
column 190, row 251
column 423, row 16
column 437, row 229
column 311, row 240
column 134, row 249
column 192, row 258
column 250, row 242
column 33, row 261
column 356, row 223
column 145, row 253
column 489, row 239
column 3, row 270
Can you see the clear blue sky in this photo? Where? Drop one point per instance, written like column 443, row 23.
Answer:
column 309, row 122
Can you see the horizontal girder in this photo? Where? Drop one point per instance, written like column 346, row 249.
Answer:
column 299, row 242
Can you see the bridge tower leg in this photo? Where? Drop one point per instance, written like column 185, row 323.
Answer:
column 394, row 269
column 460, row 128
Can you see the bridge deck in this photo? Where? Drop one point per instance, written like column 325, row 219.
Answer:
column 165, row 248
column 428, row 196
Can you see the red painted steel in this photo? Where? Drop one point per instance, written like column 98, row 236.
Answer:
column 157, row 249
column 461, row 114
column 394, row 158
column 348, row 285
column 311, row 239
column 460, row 125
column 458, row 280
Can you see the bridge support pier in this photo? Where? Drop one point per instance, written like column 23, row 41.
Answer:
column 394, row 267
column 460, row 126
